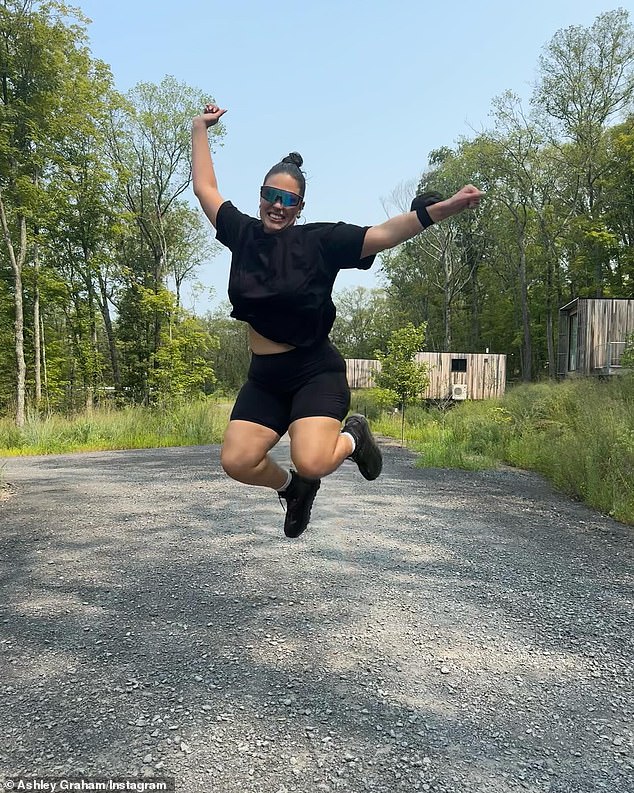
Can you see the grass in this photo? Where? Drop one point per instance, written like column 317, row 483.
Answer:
column 193, row 424
column 443, row 442
column 579, row 434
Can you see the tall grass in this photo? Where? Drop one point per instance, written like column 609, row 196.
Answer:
column 579, row 434
column 190, row 424
column 437, row 438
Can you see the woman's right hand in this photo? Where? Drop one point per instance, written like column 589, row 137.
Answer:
column 210, row 115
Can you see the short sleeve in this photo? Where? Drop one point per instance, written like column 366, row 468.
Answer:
column 341, row 246
column 230, row 224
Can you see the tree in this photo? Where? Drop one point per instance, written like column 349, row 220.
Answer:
column 7, row 353
column 231, row 357
column 510, row 156
column 183, row 364
column 188, row 241
column 49, row 94
column 433, row 277
column 184, row 361
column 363, row 322
column 617, row 188
column 587, row 79
column 401, row 375
column 149, row 137
column 82, row 224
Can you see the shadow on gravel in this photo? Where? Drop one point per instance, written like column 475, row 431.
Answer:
column 439, row 629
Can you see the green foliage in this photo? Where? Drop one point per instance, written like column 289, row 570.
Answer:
column 370, row 402
column 364, row 320
column 400, row 373
column 579, row 434
column 441, row 440
column 231, row 357
column 7, row 353
column 189, row 423
column 183, row 365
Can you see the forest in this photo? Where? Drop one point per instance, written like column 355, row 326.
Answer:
column 100, row 234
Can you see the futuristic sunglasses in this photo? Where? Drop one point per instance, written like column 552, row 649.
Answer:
column 285, row 197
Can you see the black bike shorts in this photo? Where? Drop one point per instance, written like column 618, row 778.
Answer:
column 287, row 386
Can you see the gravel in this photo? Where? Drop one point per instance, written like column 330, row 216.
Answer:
column 443, row 631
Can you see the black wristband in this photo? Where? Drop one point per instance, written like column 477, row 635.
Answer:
column 423, row 217
column 420, row 204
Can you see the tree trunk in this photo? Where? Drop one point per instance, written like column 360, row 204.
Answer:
column 91, row 374
column 36, row 317
column 102, row 301
column 156, row 333
column 550, row 330
column 447, row 302
column 551, row 304
column 37, row 354
column 17, row 265
column 474, row 308
column 43, row 344
column 527, row 351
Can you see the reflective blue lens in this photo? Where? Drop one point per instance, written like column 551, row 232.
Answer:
column 274, row 194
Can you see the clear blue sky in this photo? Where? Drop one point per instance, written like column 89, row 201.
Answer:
column 363, row 89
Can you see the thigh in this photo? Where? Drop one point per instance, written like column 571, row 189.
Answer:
column 318, row 409
column 257, row 405
column 324, row 395
column 313, row 440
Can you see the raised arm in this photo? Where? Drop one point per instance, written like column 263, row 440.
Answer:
column 203, row 174
column 403, row 227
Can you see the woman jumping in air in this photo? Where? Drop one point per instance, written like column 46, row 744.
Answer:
column 281, row 281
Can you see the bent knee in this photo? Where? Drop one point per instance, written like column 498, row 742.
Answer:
column 238, row 463
column 312, row 466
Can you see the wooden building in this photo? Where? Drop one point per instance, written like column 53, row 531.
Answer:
column 592, row 335
column 452, row 375
column 360, row 372
column 468, row 375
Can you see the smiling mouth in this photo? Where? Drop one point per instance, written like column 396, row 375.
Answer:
column 275, row 216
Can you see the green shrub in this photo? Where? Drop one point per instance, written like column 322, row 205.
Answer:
column 579, row 434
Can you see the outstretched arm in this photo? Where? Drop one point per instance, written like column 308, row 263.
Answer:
column 203, row 174
column 403, row 227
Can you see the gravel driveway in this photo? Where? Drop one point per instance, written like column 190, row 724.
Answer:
column 434, row 630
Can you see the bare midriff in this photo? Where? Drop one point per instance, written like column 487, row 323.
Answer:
column 260, row 345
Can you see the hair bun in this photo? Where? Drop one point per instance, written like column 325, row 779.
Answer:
column 295, row 158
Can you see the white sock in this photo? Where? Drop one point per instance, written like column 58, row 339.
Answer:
column 352, row 441
column 289, row 479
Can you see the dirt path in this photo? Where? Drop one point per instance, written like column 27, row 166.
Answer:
column 436, row 631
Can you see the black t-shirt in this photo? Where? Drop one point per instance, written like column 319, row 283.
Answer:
column 281, row 283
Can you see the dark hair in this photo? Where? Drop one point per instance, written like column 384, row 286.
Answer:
column 291, row 165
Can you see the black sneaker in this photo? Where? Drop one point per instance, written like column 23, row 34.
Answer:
column 366, row 454
column 299, row 497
